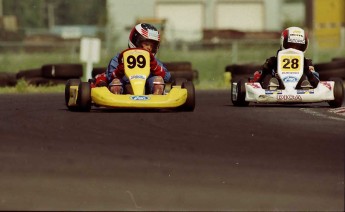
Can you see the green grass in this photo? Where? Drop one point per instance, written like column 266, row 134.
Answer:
column 23, row 87
column 209, row 63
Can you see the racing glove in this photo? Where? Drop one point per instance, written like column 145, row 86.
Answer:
column 100, row 80
column 155, row 68
column 256, row 77
column 118, row 72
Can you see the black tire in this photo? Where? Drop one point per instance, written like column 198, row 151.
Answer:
column 37, row 81
column 69, row 83
column 30, row 73
column 338, row 58
column 241, row 94
column 98, row 70
column 336, row 64
column 338, row 93
column 84, row 97
column 244, row 71
column 326, row 74
column 189, row 105
column 66, row 71
column 7, row 79
column 189, row 74
column 178, row 81
column 178, row 66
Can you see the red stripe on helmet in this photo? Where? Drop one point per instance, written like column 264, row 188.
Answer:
column 145, row 33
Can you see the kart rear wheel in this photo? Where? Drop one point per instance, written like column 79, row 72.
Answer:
column 238, row 93
column 84, row 97
column 178, row 81
column 189, row 105
column 338, row 92
column 69, row 83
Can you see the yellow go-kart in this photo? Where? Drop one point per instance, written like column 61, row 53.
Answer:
column 80, row 96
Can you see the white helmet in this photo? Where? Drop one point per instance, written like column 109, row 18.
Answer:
column 143, row 32
column 294, row 37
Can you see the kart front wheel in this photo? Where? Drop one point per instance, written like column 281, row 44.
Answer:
column 238, row 93
column 69, row 83
column 338, row 92
column 189, row 105
column 84, row 96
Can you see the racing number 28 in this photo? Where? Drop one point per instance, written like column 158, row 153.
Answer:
column 140, row 61
column 290, row 63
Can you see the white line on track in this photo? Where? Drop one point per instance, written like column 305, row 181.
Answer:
column 339, row 112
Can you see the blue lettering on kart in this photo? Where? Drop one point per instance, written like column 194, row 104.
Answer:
column 290, row 79
column 305, row 91
column 269, row 92
column 140, row 98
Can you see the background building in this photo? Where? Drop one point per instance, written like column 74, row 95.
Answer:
column 186, row 19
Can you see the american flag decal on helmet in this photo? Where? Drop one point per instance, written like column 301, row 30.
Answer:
column 144, row 32
column 150, row 34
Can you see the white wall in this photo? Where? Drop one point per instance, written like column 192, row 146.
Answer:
column 240, row 15
column 122, row 16
column 273, row 15
column 187, row 21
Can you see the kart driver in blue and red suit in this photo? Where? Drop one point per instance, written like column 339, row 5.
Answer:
column 147, row 37
column 296, row 38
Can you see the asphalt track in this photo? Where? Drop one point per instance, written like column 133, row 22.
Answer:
column 217, row 158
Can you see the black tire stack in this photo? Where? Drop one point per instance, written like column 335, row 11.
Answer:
column 182, row 69
column 51, row 74
column 334, row 68
column 243, row 71
column 7, row 79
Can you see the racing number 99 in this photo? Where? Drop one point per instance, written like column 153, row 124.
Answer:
column 140, row 61
column 290, row 63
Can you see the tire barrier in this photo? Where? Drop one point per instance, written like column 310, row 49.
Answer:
column 97, row 70
column 30, row 73
column 335, row 68
column 182, row 69
column 7, row 79
column 50, row 74
column 243, row 71
column 62, row 71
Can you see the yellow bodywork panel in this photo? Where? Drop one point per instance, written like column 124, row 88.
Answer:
column 137, row 68
column 103, row 97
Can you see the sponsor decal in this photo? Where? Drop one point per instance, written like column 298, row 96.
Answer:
column 296, row 37
column 290, row 72
column 139, row 98
column 269, row 92
column 291, row 40
column 290, row 79
column 327, row 85
column 138, row 77
column 311, row 91
column 254, row 85
column 289, row 98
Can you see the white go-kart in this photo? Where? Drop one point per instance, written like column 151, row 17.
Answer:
column 289, row 73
